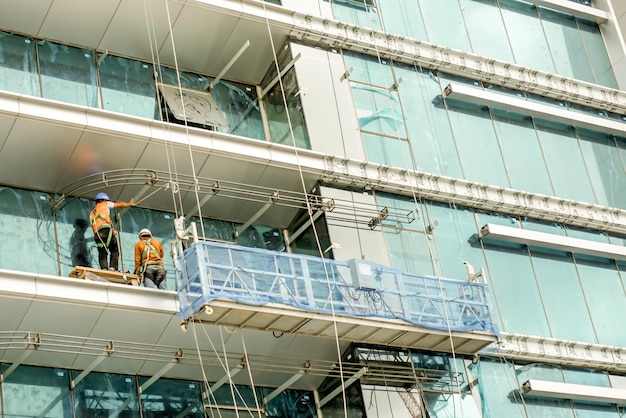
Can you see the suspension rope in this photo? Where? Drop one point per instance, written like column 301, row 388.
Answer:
column 417, row 199
column 245, row 353
column 156, row 65
column 310, row 214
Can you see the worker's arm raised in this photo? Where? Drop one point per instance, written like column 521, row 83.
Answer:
column 123, row 204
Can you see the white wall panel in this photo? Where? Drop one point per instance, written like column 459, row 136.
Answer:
column 327, row 103
column 355, row 243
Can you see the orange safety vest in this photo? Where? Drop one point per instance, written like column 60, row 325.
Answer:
column 100, row 217
column 150, row 254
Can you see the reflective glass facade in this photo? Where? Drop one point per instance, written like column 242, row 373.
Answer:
column 416, row 127
column 517, row 31
column 393, row 116
column 99, row 80
column 65, row 240
column 30, row 391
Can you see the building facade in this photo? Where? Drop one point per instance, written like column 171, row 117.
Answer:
column 370, row 208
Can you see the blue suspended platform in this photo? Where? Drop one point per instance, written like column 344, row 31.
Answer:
column 227, row 284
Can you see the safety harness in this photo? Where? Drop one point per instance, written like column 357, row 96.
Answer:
column 101, row 218
column 148, row 249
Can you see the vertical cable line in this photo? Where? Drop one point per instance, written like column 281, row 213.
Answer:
column 437, row 272
column 310, row 213
column 180, row 90
column 156, row 64
column 168, row 145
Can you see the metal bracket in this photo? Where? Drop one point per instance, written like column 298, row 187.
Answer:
column 395, row 85
column 230, row 64
column 382, row 215
column 212, row 192
column 228, row 376
column 346, row 74
column 344, row 386
column 279, row 76
column 315, row 203
column 288, row 383
column 273, row 199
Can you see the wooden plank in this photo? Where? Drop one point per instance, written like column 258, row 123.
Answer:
column 88, row 273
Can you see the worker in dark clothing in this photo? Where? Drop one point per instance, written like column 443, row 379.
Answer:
column 149, row 260
column 78, row 244
column 104, row 233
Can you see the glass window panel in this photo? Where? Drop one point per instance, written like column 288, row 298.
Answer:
column 36, row 391
column 27, row 214
column 455, row 238
column 596, row 411
column 285, row 115
column 452, row 405
column 216, row 229
column 18, row 64
column 171, row 398
column 477, row 143
column 388, row 151
column 520, row 146
column 306, row 243
column 451, row 34
column 273, row 238
column 68, row 74
column 76, row 239
column 244, row 396
column 402, row 18
column 104, row 394
column 379, row 401
column 526, row 35
column 565, row 162
column 577, row 107
column 499, row 389
column 358, row 12
column 592, row 378
column 598, row 56
column 552, row 408
column 168, row 75
column 566, row 46
column 587, row 377
column 378, row 110
column 604, row 293
column 239, row 105
column 368, row 69
column 561, row 289
column 513, row 284
column 409, row 251
column 488, row 40
column 427, row 122
column 605, row 168
column 562, row 296
column 290, row 403
column 127, row 86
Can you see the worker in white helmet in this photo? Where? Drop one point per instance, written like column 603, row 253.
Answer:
column 149, row 260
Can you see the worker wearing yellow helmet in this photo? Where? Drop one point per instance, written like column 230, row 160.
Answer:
column 149, row 260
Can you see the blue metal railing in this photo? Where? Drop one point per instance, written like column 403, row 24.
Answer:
column 211, row 270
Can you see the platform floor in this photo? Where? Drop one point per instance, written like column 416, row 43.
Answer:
column 89, row 273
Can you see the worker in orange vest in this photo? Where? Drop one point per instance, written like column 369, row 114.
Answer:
column 104, row 233
column 149, row 260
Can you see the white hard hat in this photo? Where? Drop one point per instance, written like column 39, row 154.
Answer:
column 145, row 233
